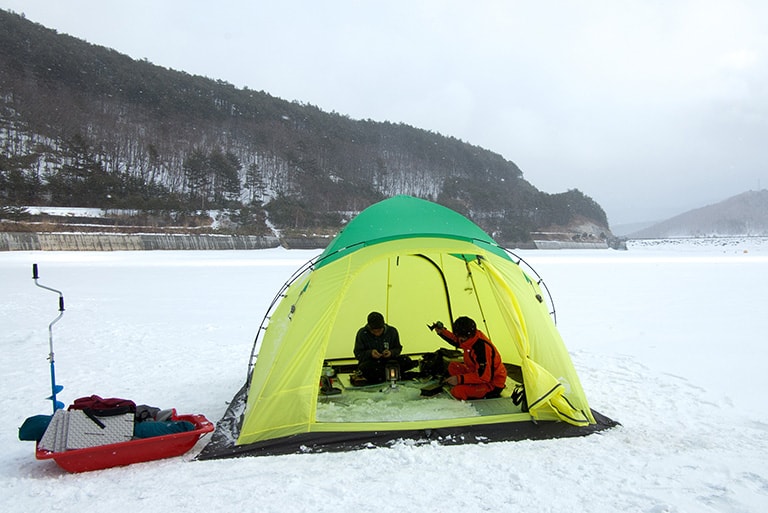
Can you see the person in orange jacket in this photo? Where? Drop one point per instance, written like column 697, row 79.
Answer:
column 482, row 375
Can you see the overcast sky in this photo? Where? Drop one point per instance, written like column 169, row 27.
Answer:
column 650, row 107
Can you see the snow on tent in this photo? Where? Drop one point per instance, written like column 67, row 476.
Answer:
column 415, row 262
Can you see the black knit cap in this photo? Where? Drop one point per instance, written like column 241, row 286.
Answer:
column 464, row 327
column 375, row 321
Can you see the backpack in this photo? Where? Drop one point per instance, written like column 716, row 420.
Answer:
column 436, row 364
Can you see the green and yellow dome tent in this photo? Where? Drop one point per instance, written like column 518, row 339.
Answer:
column 416, row 262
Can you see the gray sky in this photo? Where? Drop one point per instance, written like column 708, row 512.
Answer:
column 650, row 107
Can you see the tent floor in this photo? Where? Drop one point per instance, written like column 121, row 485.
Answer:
column 404, row 401
column 375, row 403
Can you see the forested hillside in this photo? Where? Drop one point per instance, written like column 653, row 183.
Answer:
column 83, row 125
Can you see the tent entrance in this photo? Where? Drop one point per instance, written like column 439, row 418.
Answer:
column 413, row 290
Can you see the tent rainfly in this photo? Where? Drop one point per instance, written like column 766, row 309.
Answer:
column 416, row 262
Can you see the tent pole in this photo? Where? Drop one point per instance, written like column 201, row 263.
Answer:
column 389, row 286
column 445, row 285
column 474, row 288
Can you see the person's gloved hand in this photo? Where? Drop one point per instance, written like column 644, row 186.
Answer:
column 436, row 324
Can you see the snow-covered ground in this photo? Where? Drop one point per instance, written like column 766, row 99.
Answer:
column 668, row 338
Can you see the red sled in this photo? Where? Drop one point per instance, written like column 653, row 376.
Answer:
column 132, row 451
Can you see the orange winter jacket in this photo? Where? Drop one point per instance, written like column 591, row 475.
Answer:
column 481, row 357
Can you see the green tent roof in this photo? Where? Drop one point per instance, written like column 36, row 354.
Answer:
column 403, row 217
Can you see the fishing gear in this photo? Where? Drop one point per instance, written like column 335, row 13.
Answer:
column 55, row 389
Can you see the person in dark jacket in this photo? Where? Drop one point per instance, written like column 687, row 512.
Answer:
column 482, row 375
column 377, row 344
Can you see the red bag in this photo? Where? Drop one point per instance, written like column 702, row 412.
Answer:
column 100, row 405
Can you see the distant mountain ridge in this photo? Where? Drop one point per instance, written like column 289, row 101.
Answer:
column 745, row 214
